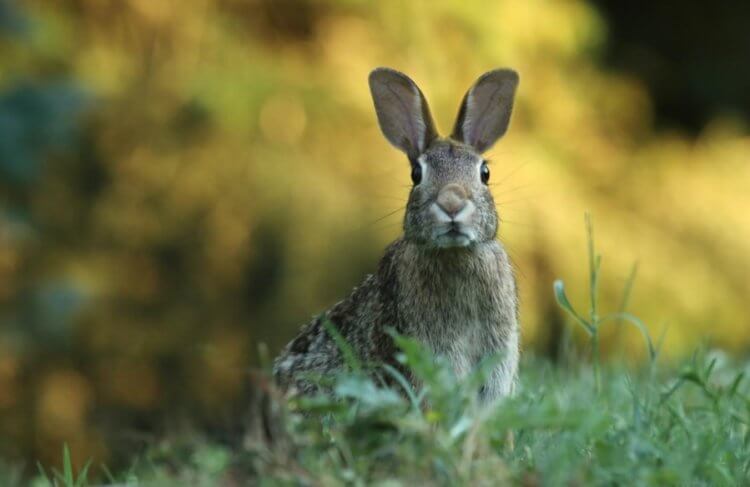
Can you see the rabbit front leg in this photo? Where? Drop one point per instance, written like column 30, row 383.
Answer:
column 502, row 378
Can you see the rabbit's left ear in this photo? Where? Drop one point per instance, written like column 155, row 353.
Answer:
column 485, row 111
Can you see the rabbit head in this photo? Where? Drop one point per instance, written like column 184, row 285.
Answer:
column 450, row 204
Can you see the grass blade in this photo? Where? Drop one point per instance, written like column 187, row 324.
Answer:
column 404, row 383
column 635, row 321
column 67, row 467
column 562, row 300
column 350, row 358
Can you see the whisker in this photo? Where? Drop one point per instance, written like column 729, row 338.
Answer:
column 388, row 197
column 501, row 152
column 374, row 224
column 391, row 225
column 507, row 176
column 391, row 213
column 517, row 200
column 513, row 256
column 511, row 190
column 520, row 224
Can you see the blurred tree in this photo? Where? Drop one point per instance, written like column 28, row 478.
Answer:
column 39, row 122
column 691, row 55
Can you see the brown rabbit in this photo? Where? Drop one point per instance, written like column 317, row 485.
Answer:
column 447, row 281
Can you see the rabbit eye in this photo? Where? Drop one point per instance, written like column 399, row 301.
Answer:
column 484, row 172
column 416, row 173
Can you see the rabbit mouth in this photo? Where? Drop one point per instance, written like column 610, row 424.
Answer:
column 454, row 237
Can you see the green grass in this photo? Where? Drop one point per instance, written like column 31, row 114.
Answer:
column 590, row 423
column 651, row 427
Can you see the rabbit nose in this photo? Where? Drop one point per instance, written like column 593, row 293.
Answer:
column 452, row 199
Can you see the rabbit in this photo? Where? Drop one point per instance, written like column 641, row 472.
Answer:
column 447, row 281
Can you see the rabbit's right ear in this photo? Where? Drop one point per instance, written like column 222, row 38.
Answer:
column 402, row 110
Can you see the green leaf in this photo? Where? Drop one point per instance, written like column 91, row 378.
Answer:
column 350, row 358
column 43, row 474
column 628, row 289
column 562, row 300
column 67, row 467
column 82, row 479
column 635, row 321
column 405, row 384
column 364, row 390
column 736, row 383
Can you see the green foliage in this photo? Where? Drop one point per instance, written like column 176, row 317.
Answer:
column 593, row 322
column 606, row 426
column 66, row 478
column 670, row 428
column 36, row 119
column 684, row 427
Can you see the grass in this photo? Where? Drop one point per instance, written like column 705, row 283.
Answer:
column 584, row 424
column 65, row 478
column 682, row 427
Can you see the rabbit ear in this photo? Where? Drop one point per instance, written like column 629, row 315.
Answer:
column 485, row 111
column 402, row 110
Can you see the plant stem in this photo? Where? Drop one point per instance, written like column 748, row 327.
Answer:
column 595, row 359
column 594, row 264
column 593, row 268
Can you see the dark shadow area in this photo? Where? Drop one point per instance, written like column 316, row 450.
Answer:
column 692, row 56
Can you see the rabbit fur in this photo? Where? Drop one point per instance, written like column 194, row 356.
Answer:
column 448, row 281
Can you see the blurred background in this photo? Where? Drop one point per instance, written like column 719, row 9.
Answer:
column 181, row 181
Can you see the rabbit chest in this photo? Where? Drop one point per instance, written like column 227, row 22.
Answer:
column 462, row 304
